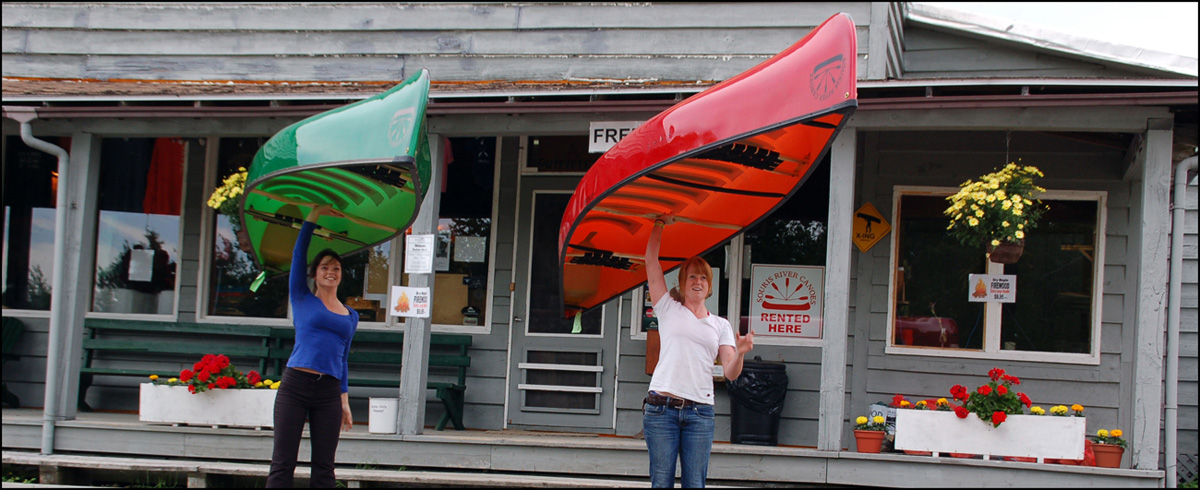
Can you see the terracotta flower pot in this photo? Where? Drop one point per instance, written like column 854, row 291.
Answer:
column 962, row 455
column 869, row 441
column 1006, row 252
column 1108, row 455
column 918, row 453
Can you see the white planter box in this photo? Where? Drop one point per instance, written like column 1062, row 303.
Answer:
column 216, row 408
column 1030, row 436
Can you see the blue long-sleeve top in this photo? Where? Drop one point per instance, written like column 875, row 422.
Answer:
column 322, row 336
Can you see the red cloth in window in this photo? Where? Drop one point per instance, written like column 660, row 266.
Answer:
column 447, row 159
column 164, row 180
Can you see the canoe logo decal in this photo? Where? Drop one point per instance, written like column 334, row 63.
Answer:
column 786, row 291
column 827, row 76
column 401, row 126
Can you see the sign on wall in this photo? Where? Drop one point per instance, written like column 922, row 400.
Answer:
column 992, row 288
column 418, row 256
column 602, row 135
column 787, row 300
column 869, row 227
column 409, row 302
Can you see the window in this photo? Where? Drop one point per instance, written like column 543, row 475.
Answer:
column 138, row 235
column 559, row 154
column 30, row 191
column 1056, row 313
column 462, row 258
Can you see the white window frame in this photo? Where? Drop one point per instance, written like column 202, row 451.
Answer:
column 992, row 343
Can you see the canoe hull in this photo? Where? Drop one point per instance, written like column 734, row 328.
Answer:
column 721, row 161
column 370, row 160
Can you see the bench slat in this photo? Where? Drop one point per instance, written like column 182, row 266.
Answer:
column 178, row 327
column 198, row 349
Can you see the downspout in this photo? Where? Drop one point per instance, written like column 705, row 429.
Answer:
column 1173, row 293
column 24, row 115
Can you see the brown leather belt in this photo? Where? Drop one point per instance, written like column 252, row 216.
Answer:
column 663, row 400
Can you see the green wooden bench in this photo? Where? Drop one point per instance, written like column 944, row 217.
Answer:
column 13, row 329
column 186, row 342
column 373, row 348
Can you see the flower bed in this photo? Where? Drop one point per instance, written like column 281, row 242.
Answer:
column 216, row 408
column 1029, row 436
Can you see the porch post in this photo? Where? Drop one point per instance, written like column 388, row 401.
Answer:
column 413, row 368
column 837, row 291
column 1154, row 214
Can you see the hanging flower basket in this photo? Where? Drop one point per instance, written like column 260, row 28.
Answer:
column 997, row 211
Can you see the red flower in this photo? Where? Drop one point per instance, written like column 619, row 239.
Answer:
column 254, row 377
column 203, row 376
column 961, row 412
column 210, row 386
column 221, row 362
column 185, row 375
column 896, row 400
column 995, row 374
column 1012, row 379
column 998, row 417
column 959, row 392
column 1024, row 399
column 1001, row 390
column 192, row 388
column 984, row 390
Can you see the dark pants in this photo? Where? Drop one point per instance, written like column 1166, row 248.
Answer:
column 317, row 398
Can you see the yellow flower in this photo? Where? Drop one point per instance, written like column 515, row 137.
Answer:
column 1077, row 407
column 979, row 213
column 258, row 384
column 1116, row 433
column 904, row 403
column 972, row 221
column 942, row 401
column 1017, row 212
column 1102, row 433
column 267, row 382
column 860, row 420
column 991, row 198
column 1006, row 204
column 1000, row 194
column 1036, row 410
column 153, row 377
column 878, row 419
column 1020, row 235
column 1020, row 226
column 275, row 385
column 995, row 242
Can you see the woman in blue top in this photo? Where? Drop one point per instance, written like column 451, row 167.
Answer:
column 314, row 386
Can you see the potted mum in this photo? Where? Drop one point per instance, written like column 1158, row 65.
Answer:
column 868, row 434
column 1109, row 448
column 212, row 393
column 997, row 211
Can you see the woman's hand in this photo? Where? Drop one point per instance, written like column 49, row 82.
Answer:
column 347, row 417
column 323, row 210
column 745, row 343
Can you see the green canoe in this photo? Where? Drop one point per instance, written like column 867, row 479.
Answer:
column 368, row 160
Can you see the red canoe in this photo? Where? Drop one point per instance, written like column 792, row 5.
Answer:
column 721, row 160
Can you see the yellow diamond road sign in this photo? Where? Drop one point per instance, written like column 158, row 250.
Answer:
column 869, row 227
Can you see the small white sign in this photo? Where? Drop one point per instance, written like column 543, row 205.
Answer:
column 787, row 300
column 409, row 302
column 141, row 265
column 470, row 248
column 992, row 288
column 418, row 257
column 604, row 134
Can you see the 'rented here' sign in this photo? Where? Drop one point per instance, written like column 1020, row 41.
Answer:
column 787, row 300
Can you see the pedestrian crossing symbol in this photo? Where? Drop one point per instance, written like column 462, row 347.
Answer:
column 869, row 227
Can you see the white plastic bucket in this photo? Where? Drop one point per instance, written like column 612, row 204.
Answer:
column 384, row 415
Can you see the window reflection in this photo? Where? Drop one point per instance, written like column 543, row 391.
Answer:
column 30, row 187
column 137, row 240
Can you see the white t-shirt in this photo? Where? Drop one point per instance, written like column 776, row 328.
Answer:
column 688, row 349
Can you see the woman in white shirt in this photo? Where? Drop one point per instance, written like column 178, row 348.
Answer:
column 677, row 414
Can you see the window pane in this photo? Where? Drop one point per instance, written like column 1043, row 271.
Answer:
column 545, row 283
column 137, row 239
column 464, row 226
column 1053, row 311
column 30, row 187
column 365, row 282
column 560, row 154
column 232, row 268
column 794, row 234
column 931, row 280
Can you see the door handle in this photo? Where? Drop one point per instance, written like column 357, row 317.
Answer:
column 517, row 319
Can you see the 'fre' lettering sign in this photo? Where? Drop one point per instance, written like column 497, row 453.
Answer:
column 602, row 135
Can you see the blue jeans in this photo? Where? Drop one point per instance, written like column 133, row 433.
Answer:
column 683, row 433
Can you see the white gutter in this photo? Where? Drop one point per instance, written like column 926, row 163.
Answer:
column 24, row 115
column 1173, row 293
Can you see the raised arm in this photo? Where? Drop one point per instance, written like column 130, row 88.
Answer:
column 656, row 284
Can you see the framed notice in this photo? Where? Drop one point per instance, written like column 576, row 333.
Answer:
column 418, row 256
column 787, row 300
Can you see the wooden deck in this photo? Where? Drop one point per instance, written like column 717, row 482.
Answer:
column 495, row 455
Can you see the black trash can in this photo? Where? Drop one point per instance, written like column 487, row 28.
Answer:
column 756, row 402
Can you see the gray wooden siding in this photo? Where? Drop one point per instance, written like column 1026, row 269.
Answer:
column 942, row 159
column 1188, row 447
column 373, row 42
column 931, row 54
